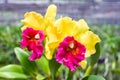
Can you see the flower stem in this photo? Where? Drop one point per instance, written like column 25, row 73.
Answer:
column 70, row 75
column 88, row 71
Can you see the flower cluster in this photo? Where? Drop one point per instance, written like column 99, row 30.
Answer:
column 68, row 41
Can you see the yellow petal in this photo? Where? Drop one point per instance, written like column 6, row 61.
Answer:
column 65, row 26
column 89, row 40
column 33, row 20
column 50, row 14
column 50, row 48
column 83, row 64
column 81, row 27
column 52, row 41
column 52, row 33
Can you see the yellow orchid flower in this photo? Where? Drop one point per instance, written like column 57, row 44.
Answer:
column 64, row 27
column 80, row 30
column 36, row 21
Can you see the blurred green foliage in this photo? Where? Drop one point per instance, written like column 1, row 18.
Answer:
column 108, row 64
column 9, row 38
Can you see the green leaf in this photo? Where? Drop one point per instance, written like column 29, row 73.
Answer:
column 94, row 58
column 12, row 71
column 44, row 65
column 40, row 77
column 13, row 75
column 93, row 77
column 11, row 68
column 22, row 56
column 54, row 66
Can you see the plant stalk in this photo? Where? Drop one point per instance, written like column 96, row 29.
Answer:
column 88, row 71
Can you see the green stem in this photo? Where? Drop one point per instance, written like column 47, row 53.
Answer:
column 70, row 75
column 88, row 71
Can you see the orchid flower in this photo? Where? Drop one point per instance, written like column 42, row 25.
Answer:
column 34, row 31
column 73, row 41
